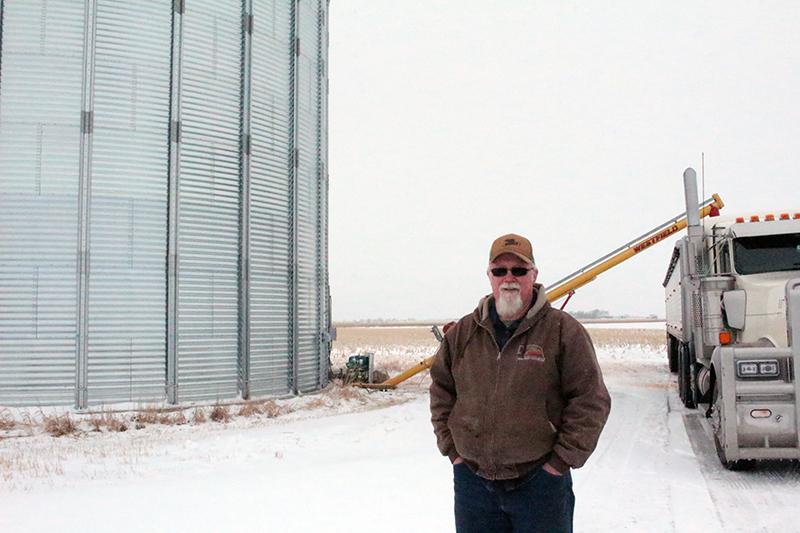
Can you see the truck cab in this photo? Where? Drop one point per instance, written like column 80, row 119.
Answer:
column 764, row 255
column 733, row 331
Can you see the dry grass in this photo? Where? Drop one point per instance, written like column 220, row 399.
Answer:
column 59, row 425
column 268, row 408
column 220, row 413
column 653, row 339
column 159, row 415
column 148, row 415
column 107, row 421
column 198, row 416
column 7, row 421
column 337, row 394
column 178, row 418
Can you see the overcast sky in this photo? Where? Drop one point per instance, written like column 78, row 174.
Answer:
column 455, row 122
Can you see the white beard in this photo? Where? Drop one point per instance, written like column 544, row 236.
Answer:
column 510, row 302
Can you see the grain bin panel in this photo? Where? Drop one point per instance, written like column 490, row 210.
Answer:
column 41, row 71
column 310, row 181
column 270, row 190
column 129, row 201
column 208, row 210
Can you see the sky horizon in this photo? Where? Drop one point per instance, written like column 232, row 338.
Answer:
column 452, row 123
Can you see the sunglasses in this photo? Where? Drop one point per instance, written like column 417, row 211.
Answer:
column 517, row 272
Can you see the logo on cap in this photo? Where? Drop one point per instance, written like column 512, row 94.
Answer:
column 512, row 244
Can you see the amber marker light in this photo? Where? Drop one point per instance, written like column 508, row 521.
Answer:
column 754, row 218
column 784, row 216
column 769, row 217
column 724, row 337
column 739, row 219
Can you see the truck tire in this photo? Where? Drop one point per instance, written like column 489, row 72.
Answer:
column 742, row 465
column 686, row 387
column 734, row 466
column 681, row 381
column 672, row 353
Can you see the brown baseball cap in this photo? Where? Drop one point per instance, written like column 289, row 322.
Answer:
column 512, row 244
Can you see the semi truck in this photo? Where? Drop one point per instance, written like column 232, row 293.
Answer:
column 732, row 293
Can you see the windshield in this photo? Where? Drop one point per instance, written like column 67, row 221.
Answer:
column 766, row 253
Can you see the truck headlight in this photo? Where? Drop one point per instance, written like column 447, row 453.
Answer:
column 757, row 369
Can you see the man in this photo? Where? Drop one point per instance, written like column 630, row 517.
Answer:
column 517, row 400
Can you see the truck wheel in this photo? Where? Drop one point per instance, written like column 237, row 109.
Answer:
column 686, row 387
column 734, row 466
column 697, row 368
column 672, row 353
column 681, row 380
column 741, row 465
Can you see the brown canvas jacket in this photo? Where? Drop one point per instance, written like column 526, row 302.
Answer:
column 504, row 410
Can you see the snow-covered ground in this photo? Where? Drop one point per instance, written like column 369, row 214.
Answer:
column 377, row 468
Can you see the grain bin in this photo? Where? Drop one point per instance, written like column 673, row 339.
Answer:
column 163, row 200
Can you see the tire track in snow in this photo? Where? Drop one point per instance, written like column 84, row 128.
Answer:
column 643, row 474
column 763, row 500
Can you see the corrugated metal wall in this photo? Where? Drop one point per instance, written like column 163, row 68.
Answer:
column 40, row 122
column 208, row 209
column 271, row 223
column 128, row 210
column 309, row 194
column 163, row 200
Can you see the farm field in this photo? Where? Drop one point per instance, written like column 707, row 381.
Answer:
column 398, row 347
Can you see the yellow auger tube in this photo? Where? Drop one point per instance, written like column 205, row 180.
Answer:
column 582, row 279
column 413, row 371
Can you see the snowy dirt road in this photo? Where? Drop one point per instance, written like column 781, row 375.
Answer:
column 379, row 470
column 656, row 470
column 755, row 498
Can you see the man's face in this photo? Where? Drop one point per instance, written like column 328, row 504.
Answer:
column 512, row 294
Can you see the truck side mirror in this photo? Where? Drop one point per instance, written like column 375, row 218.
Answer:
column 734, row 303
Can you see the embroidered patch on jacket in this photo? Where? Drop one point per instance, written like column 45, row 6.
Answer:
column 531, row 352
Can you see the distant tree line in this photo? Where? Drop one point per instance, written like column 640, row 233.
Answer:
column 594, row 313
column 600, row 313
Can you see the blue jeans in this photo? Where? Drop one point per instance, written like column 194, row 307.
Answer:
column 536, row 502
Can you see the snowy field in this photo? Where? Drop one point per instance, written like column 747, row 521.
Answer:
column 656, row 324
column 349, row 460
